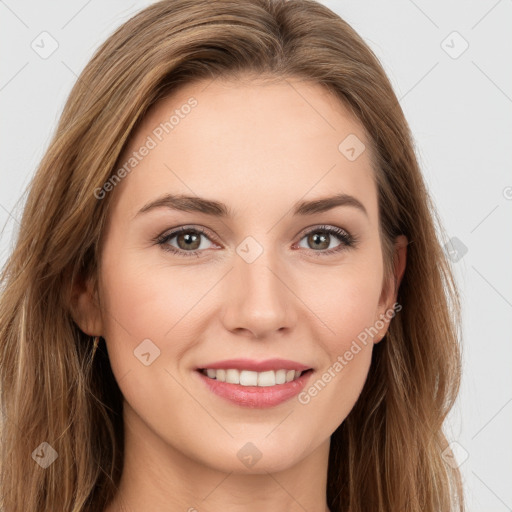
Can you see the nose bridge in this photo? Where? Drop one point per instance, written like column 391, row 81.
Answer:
column 258, row 298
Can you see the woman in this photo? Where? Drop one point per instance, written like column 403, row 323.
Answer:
column 227, row 291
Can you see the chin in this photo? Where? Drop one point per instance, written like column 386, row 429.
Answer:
column 255, row 455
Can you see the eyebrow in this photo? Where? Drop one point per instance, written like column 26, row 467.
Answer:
column 218, row 209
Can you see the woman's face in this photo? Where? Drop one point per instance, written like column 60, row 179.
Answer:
column 259, row 275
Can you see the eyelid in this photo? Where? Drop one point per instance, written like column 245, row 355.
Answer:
column 189, row 227
column 321, row 227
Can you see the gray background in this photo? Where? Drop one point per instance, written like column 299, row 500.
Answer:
column 459, row 107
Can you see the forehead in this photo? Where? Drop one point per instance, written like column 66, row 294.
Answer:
column 248, row 143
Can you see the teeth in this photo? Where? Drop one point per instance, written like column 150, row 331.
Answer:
column 280, row 376
column 232, row 376
column 250, row 378
column 267, row 378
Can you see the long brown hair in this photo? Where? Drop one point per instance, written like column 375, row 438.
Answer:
column 389, row 454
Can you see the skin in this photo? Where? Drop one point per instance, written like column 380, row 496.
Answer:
column 258, row 147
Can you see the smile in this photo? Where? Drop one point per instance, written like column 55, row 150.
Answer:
column 251, row 389
column 252, row 378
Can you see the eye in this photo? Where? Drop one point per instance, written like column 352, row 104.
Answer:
column 321, row 237
column 188, row 241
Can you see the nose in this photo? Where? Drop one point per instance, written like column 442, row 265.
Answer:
column 259, row 300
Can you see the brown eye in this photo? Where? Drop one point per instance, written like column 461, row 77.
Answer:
column 319, row 240
column 189, row 241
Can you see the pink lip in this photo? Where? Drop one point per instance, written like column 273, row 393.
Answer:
column 256, row 366
column 256, row 396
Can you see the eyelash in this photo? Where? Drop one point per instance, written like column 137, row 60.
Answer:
column 348, row 240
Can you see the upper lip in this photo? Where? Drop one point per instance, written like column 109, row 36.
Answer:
column 256, row 366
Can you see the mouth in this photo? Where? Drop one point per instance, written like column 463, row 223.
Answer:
column 250, row 378
column 252, row 389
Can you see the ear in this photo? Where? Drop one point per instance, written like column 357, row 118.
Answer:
column 391, row 285
column 84, row 305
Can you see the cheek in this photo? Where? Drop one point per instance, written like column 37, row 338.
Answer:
column 142, row 303
column 145, row 301
column 349, row 312
column 149, row 300
column 345, row 301
column 335, row 389
column 346, row 305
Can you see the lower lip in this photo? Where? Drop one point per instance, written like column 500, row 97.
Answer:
column 260, row 397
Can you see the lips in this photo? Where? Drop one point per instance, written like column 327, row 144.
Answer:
column 255, row 366
column 257, row 384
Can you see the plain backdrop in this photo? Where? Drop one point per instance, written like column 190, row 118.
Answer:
column 449, row 63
